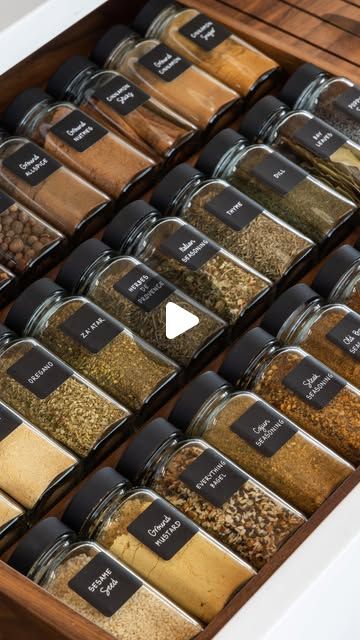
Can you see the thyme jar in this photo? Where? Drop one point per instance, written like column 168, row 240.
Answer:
column 338, row 280
column 212, row 491
column 12, row 521
column 262, row 441
column 86, row 578
column 95, row 344
column 158, row 542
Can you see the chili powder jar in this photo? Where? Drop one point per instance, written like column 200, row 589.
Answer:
column 338, row 280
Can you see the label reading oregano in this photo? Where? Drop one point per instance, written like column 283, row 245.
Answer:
column 346, row 335
column 164, row 62
column 146, row 289
column 205, row 32
column 349, row 102
column 320, row 138
column 189, row 247
column 31, row 164
column 121, row 95
column 9, row 421
column 264, row 429
column 91, row 328
column 78, row 131
column 5, row 202
column 40, row 372
column 314, row 383
column 233, row 208
column 278, row 173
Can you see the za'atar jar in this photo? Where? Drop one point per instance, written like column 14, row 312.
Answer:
column 338, row 280
column 12, row 521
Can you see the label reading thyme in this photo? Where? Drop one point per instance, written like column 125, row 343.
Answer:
column 264, row 429
column 121, row 95
column 233, row 208
column 320, row 138
column 205, row 32
column 40, row 372
column 189, row 247
column 78, row 131
column 9, row 421
column 91, row 328
column 314, row 383
column 278, row 174
column 164, row 62
column 5, row 201
column 144, row 288
column 163, row 529
column 349, row 101
column 346, row 335
column 31, row 164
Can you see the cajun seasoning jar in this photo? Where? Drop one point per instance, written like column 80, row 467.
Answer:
column 260, row 440
column 53, row 397
column 332, row 98
column 278, row 184
column 339, row 278
column 158, row 542
column 212, row 491
column 210, row 45
column 93, row 583
column 165, row 75
column 306, row 391
column 95, row 344
column 139, row 297
column 12, row 521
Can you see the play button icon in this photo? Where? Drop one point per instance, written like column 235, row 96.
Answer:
column 178, row 320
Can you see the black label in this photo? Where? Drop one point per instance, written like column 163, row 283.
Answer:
column 163, row 529
column 213, row 477
column 78, row 131
column 264, row 429
column 233, row 208
column 121, row 95
column 314, row 383
column 105, row 584
column 278, row 173
column 205, row 32
column 349, row 101
column 346, row 335
column 91, row 328
column 320, row 138
column 40, row 372
column 31, row 164
column 144, row 288
column 8, row 422
column 5, row 202
column 189, row 247
column 165, row 62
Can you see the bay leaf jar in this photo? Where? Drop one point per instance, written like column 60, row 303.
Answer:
column 235, row 222
column 305, row 390
column 95, row 344
column 308, row 141
column 12, row 521
column 329, row 332
column 208, row 488
column 190, row 260
column 48, row 393
column 338, row 280
column 262, row 441
column 279, row 185
column 158, row 542
column 86, row 578
column 210, row 45
column 139, row 298
column 173, row 80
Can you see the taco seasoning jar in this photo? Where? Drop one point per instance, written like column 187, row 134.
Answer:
column 173, row 80
column 210, row 490
column 95, row 344
column 260, row 440
column 306, row 391
column 158, row 542
column 12, row 521
column 93, row 583
column 338, row 280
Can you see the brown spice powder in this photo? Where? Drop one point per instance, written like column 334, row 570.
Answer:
column 353, row 301
column 8, row 510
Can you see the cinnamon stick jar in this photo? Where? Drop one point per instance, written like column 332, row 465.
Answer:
column 338, row 280
column 164, row 74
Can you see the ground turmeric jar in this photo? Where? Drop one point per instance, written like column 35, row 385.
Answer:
column 338, row 280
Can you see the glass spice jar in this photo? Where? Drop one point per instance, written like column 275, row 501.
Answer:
column 334, row 99
column 165, row 75
column 308, row 141
column 210, row 45
column 12, row 521
column 329, row 332
column 235, row 222
column 338, row 280
column 54, row 398
column 139, row 298
column 158, row 542
column 306, row 391
column 8, row 285
column 279, row 185
column 262, row 441
column 210, row 490
column 95, row 344
column 86, row 578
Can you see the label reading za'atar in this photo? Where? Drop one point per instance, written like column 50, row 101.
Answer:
column 346, row 335
column 121, row 95
column 349, row 101
column 320, row 138
column 163, row 529
column 31, row 164
column 278, row 173
column 164, row 62
column 144, row 288
column 78, row 131
column 233, row 208
column 91, row 328
column 40, row 372
column 205, row 32
column 314, row 383
column 9, row 421
column 264, row 429
column 189, row 247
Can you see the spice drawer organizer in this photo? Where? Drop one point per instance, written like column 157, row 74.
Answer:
column 330, row 535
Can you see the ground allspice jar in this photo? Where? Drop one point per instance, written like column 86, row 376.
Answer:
column 158, row 542
column 279, row 185
column 208, row 488
column 310, row 394
column 338, row 280
column 95, row 344
column 262, row 441
column 93, row 583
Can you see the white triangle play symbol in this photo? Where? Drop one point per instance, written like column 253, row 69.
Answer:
column 178, row 320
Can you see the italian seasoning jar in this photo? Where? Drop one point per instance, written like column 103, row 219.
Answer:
column 309, row 393
column 140, row 299
column 262, row 441
column 12, row 521
column 279, row 185
column 95, row 344
column 210, row 490
column 54, row 398
column 338, row 280
column 93, row 583
column 158, row 542
column 173, row 80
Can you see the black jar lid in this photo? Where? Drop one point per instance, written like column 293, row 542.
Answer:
column 18, row 109
column 194, row 397
column 90, row 496
column 254, row 120
column 357, row 244
column 148, row 13
column 334, row 268
column 125, row 222
column 79, row 261
column 109, row 41
column 28, row 302
column 214, row 150
column 63, row 77
column 243, row 353
column 298, row 82
column 38, row 540
column 281, row 310
column 170, row 186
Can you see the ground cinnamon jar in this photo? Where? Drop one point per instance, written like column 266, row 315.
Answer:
column 339, row 278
